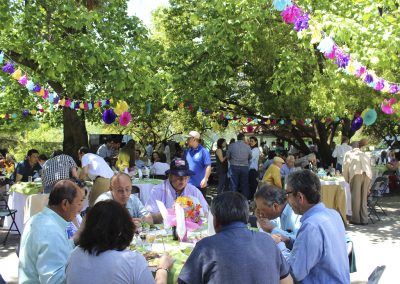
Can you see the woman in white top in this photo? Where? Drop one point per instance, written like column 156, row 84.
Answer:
column 159, row 167
column 253, row 168
column 102, row 255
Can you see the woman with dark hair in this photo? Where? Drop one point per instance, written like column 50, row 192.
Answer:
column 253, row 167
column 159, row 167
column 155, row 157
column 102, row 257
column 221, row 164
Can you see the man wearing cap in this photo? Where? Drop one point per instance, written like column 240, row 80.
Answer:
column 175, row 186
column 273, row 173
column 199, row 161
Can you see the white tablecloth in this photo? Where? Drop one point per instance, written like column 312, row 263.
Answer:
column 145, row 189
column 346, row 187
column 26, row 206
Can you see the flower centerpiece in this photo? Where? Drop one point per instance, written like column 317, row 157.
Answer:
column 192, row 213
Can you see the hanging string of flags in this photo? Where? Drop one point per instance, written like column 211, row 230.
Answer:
column 303, row 24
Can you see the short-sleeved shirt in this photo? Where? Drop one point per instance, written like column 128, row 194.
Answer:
column 25, row 169
column 104, row 151
column 45, row 248
column 235, row 255
column 97, row 167
column 57, row 168
column 134, row 205
column 239, row 154
column 111, row 266
column 198, row 159
column 165, row 193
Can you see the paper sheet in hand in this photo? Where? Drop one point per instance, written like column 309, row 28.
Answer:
column 164, row 213
column 180, row 221
column 210, row 230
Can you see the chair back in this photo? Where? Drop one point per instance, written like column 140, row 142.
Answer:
column 4, row 209
column 376, row 275
column 380, row 186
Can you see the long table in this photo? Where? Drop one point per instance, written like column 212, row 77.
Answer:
column 336, row 194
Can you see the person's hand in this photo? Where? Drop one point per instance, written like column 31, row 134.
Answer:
column 276, row 238
column 138, row 224
column 203, row 183
column 264, row 222
column 285, row 239
column 166, row 261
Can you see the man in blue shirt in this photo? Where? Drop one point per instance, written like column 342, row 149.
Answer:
column 45, row 246
column 120, row 191
column 29, row 167
column 319, row 253
column 235, row 254
column 199, row 161
column 275, row 215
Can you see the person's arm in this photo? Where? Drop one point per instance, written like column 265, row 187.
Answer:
column 204, row 181
column 18, row 177
column 219, row 155
column 84, row 173
column 74, row 172
column 163, row 268
column 277, row 179
column 157, row 218
column 287, row 280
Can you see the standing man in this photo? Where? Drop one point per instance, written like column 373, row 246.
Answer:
column 106, row 150
column 234, row 254
column 319, row 252
column 175, row 186
column 340, row 151
column 96, row 168
column 59, row 167
column 28, row 167
column 239, row 156
column 45, row 246
column 199, row 161
column 357, row 172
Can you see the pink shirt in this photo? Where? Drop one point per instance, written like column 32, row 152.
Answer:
column 165, row 193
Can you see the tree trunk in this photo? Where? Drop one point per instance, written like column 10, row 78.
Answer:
column 75, row 134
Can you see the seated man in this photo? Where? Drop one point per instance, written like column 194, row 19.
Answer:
column 288, row 167
column 45, row 246
column 175, row 186
column 120, row 191
column 29, row 167
column 275, row 215
column 273, row 174
column 234, row 254
column 319, row 253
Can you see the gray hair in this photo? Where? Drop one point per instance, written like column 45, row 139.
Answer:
column 271, row 194
column 63, row 189
column 230, row 207
column 306, row 182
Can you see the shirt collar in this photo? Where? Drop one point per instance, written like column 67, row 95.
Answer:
column 233, row 225
column 59, row 220
column 312, row 211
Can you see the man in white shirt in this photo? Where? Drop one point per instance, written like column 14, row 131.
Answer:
column 340, row 151
column 96, row 168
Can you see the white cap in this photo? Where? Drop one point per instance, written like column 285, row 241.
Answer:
column 193, row 134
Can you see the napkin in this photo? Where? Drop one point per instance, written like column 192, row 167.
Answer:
column 164, row 213
column 180, row 221
column 210, row 230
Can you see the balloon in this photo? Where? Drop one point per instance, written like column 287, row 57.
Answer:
column 125, row 118
column 386, row 106
column 109, row 116
column 356, row 124
column 370, row 117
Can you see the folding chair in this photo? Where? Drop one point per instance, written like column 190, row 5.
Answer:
column 378, row 189
column 376, row 275
column 5, row 211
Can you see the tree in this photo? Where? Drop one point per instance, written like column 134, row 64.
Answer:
column 239, row 56
column 84, row 50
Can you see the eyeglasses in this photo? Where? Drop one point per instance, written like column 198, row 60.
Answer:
column 289, row 192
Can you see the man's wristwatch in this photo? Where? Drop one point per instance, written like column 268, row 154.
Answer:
column 162, row 268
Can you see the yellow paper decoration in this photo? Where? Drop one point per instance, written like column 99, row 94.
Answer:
column 268, row 122
column 33, row 111
column 82, row 106
column 294, row 122
column 323, row 120
column 61, row 102
column 181, row 106
column 351, row 69
column 41, row 93
column 17, row 74
column 121, row 107
column 316, row 36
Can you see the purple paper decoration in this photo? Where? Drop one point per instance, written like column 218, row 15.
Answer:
column 356, row 124
column 301, row 22
column 109, row 116
column 342, row 58
column 37, row 88
column 393, row 89
column 369, row 79
column 8, row 68
column 379, row 85
column 25, row 113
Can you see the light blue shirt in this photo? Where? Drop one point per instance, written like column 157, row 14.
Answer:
column 287, row 224
column 45, row 249
column 319, row 253
column 285, row 170
column 134, row 205
column 139, row 163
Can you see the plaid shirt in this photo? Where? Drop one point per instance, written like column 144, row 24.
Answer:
column 57, row 168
